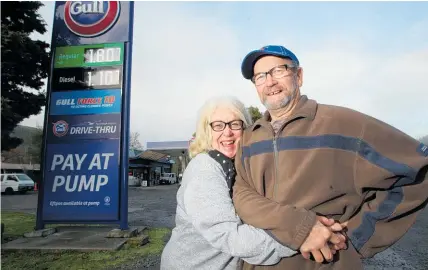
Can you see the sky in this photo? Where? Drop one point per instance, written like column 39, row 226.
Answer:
column 368, row 56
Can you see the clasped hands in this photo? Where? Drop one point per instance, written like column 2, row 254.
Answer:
column 324, row 240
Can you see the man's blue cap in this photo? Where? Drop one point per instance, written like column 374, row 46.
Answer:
column 251, row 58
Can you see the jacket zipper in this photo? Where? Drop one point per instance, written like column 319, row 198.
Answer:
column 275, row 151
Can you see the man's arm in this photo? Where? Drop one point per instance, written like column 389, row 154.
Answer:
column 391, row 172
column 288, row 224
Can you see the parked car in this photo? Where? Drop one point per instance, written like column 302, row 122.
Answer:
column 16, row 182
column 168, row 178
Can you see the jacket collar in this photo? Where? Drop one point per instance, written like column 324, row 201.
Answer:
column 306, row 108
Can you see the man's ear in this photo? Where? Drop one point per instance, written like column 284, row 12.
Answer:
column 300, row 76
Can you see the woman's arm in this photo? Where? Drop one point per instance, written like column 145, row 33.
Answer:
column 207, row 202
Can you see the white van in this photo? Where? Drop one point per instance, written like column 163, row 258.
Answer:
column 16, row 182
column 168, row 178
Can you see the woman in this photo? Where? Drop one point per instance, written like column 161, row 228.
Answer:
column 208, row 233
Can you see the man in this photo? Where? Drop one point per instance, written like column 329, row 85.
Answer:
column 331, row 161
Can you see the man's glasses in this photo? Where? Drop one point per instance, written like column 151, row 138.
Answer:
column 277, row 72
column 233, row 125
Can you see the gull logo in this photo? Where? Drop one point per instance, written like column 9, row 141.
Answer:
column 90, row 18
column 60, row 128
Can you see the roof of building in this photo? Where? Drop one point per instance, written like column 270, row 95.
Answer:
column 151, row 155
column 169, row 145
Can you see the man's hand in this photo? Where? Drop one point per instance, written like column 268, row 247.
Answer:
column 324, row 239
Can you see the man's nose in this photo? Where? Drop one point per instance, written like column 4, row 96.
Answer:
column 270, row 81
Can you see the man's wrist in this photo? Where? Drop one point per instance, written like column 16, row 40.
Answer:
column 304, row 228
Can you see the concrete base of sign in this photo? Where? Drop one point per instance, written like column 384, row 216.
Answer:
column 81, row 238
column 40, row 233
column 138, row 241
column 131, row 232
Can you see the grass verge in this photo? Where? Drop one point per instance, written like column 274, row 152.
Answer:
column 16, row 224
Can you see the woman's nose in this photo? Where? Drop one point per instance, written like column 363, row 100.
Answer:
column 227, row 131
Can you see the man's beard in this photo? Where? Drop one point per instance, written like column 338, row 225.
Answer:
column 282, row 103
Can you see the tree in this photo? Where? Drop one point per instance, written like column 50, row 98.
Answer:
column 16, row 155
column 134, row 141
column 24, row 64
column 255, row 113
column 35, row 148
column 29, row 152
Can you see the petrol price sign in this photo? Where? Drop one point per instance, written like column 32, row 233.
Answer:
column 103, row 55
column 108, row 54
column 103, row 77
column 86, row 131
column 87, row 78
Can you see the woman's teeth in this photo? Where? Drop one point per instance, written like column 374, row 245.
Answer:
column 228, row 143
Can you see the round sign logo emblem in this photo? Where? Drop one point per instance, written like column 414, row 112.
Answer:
column 60, row 128
column 90, row 18
column 107, row 200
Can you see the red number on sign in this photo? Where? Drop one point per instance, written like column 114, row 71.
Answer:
column 109, row 99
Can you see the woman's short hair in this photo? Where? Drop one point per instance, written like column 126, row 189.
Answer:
column 203, row 138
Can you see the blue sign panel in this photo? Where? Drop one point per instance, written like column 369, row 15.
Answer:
column 82, row 181
column 66, row 128
column 85, row 102
column 90, row 22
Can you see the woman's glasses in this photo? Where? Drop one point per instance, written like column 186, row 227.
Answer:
column 233, row 125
